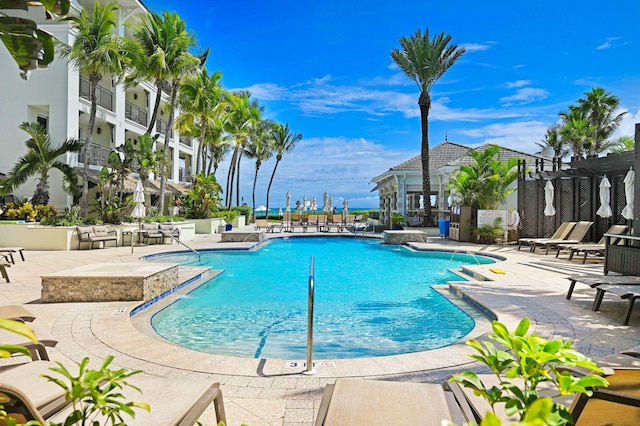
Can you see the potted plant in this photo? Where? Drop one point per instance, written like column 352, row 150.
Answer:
column 397, row 221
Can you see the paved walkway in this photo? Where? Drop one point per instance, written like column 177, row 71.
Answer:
column 272, row 392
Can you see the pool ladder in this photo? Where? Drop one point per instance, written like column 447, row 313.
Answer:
column 310, row 369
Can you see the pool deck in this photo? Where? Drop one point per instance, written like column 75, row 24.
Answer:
column 275, row 392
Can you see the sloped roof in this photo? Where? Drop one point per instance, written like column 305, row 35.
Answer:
column 453, row 154
column 439, row 155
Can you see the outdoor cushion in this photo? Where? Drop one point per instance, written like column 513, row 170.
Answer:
column 100, row 231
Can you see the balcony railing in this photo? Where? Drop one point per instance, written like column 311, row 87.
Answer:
column 135, row 113
column 186, row 140
column 161, row 126
column 104, row 97
column 184, row 175
column 98, row 155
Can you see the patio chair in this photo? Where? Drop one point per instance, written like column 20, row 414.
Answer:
column 576, row 236
column 169, row 230
column 3, row 270
column 262, row 224
column 594, row 281
column 17, row 313
column 96, row 234
column 627, row 292
column 561, row 233
column 8, row 252
column 620, row 401
column 151, row 231
column 376, row 402
column 322, row 223
column 172, row 401
column 37, row 350
column 596, row 249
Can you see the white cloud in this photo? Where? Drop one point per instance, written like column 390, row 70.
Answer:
column 517, row 83
column 628, row 124
column 607, row 44
column 476, row 47
column 519, row 135
column 525, row 96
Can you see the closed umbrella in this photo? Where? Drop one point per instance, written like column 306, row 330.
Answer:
column 605, row 198
column 549, row 210
column 629, row 187
column 139, row 210
column 288, row 205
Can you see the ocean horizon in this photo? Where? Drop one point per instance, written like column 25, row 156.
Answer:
column 275, row 211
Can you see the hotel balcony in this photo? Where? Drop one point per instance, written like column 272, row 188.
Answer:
column 98, row 155
column 184, row 175
column 135, row 113
column 103, row 95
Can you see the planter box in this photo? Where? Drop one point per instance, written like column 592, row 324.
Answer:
column 208, row 226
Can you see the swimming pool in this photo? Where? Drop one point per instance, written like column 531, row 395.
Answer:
column 371, row 300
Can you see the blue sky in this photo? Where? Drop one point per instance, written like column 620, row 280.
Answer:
column 325, row 68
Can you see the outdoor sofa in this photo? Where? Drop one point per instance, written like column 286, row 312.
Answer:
column 96, row 234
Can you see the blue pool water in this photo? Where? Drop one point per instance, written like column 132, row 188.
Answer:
column 371, row 300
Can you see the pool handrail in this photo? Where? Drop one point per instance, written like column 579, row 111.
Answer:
column 310, row 369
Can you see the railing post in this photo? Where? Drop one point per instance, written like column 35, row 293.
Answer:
column 310, row 369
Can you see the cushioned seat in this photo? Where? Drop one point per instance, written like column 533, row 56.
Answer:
column 96, row 234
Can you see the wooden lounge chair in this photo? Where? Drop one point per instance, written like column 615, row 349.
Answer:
column 172, row 401
column 375, row 402
column 596, row 249
column 576, row 236
column 561, row 233
column 594, row 281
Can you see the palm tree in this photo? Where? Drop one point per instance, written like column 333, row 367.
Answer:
column 260, row 149
column 553, row 139
column 243, row 115
column 283, row 142
column 600, row 107
column 425, row 60
column 95, row 52
column 201, row 100
column 40, row 158
column 577, row 131
column 164, row 59
column 623, row 144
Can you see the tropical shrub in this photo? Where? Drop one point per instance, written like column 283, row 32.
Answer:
column 521, row 363
column 203, row 198
column 28, row 212
column 397, row 219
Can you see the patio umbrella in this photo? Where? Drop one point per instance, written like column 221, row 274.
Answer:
column 549, row 210
column 280, row 212
column 629, row 187
column 139, row 210
column 325, row 204
column 605, row 198
column 345, row 208
column 288, row 205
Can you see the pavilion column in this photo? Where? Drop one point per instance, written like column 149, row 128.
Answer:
column 636, row 168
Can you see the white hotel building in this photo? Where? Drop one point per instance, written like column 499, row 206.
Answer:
column 58, row 98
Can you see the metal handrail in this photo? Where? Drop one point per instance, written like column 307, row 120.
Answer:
column 310, row 369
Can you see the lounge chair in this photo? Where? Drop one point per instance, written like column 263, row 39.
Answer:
column 96, row 234
column 596, row 249
column 627, row 292
column 262, row 224
column 3, row 269
column 172, row 401
column 169, row 230
column 620, row 401
column 336, row 220
column 561, row 233
column 37, row 350
column 17, row 313
column 8, row 253
column 576, row 236
column 322, row 223
column 375, row 402
column 594, row 281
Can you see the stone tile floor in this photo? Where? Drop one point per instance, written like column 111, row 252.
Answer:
column 266, row 392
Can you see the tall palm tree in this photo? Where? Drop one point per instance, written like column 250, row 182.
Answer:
column 553, row 139
column 284, row 140
column 243, row 115
column 95, row 52
column 600, row 107
column 164, row 59
column 425, row 60
column 623, row 144
column 202, row 101
column 40, row 158
column 260, row 149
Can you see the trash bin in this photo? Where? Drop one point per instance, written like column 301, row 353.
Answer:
column 228, row 227
column 443, row 224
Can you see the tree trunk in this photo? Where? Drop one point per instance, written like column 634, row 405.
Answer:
column 156, row 107
column 271, row 181
column 167, row 140
column 238, row 178
column 425, row 104
column 199, row 157
column 84, row 200
column 230, row 177
column 41, row 194
column 253, row 193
